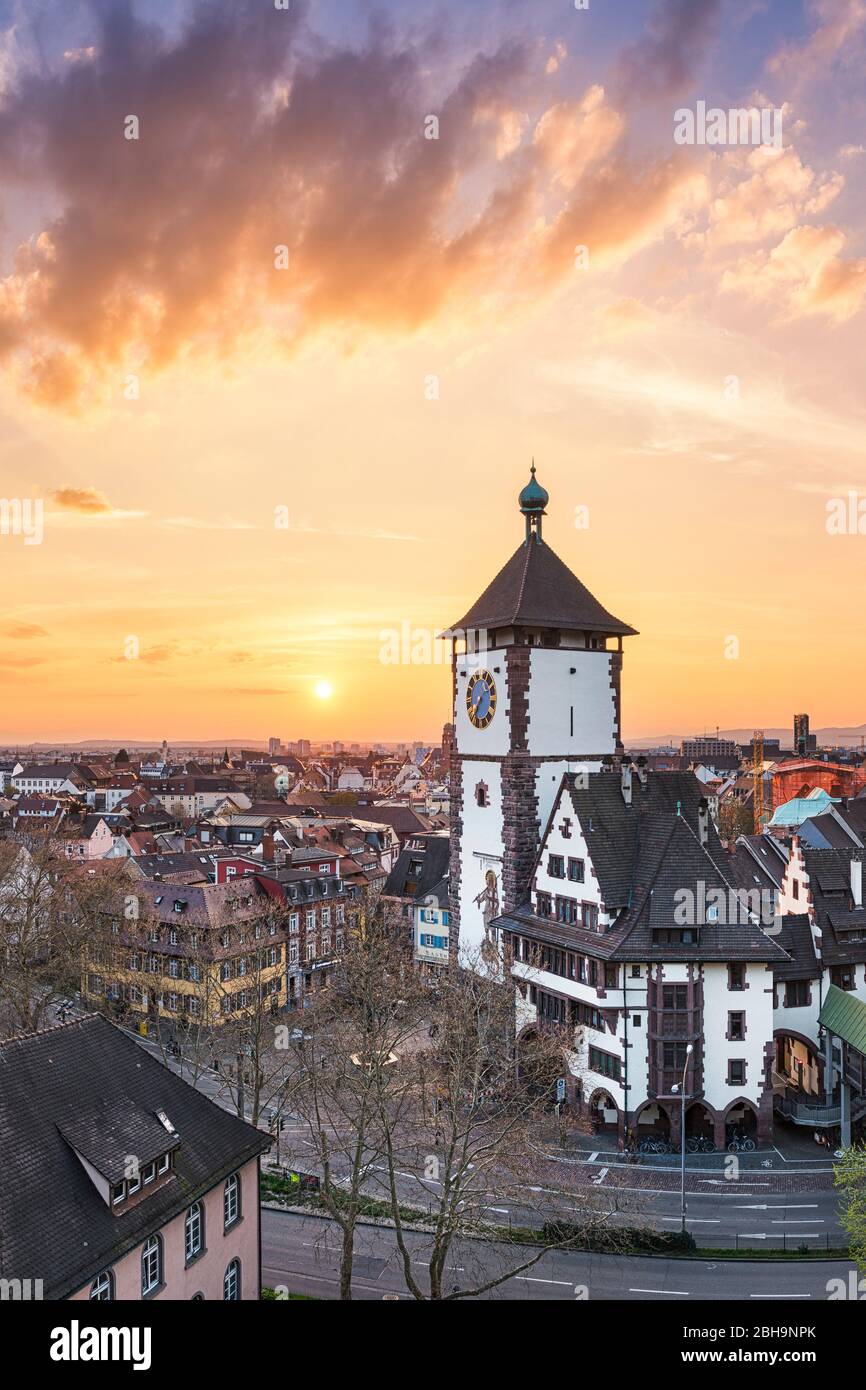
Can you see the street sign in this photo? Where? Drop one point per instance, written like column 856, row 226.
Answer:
column 560, row 1090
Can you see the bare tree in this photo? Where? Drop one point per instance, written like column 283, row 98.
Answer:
column 55, row 915
column 477, row 1123
column 347, row 1070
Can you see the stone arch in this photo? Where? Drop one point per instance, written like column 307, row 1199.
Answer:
column 700, row 1119
column 742, row 1114
column 652, row 1118
column 603, row 1111
column 803, row 1073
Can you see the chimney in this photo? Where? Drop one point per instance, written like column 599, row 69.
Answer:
column 626, row 783
column 267, row 848
column 857, row 882
column 703, row 820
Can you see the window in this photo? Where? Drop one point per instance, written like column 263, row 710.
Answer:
column 293, row 953
column 231, row 1200
column 736, row 1027
column 604, row 1063
column 164, row 1163
column 566, row 910
column 326, row 916
column 193, row 1231
column 149, row 1173
column 796, row 994
column 556, row 866
column 294, row 921
column 102, row 1288
column 736, row 1071
column 341, row 914
column 611, row 976
column 589, row 916
column 675, row 996
column 736, row 977
column 842, row 976
column 635, row 972
column 542, row 904
column 151, row 1265
column 118, row 1192
column 134, row 1183
column 311, row 921
column 232, row 1282
column 311, row 948
column 576, row 870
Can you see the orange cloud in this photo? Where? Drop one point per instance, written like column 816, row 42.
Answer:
column 23, row 632
column 82, row 499
column 804, row 274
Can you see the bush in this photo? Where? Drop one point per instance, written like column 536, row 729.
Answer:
column 635, row 1240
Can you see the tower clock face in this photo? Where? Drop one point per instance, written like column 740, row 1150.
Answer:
column 481, row 699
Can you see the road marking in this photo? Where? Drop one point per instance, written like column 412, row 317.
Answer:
column 593, row 1157
column 695, row 1220
column 798, row 1221
column 780, row 1295
column 601, row 1177
column 779, row 1206
column 665, row 1293
column 528, row 1279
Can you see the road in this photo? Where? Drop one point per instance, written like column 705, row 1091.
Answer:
column 766, row 1210
column 301, row 1254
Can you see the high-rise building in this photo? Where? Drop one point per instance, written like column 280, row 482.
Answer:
column 699, row 750
column 274, row 745
column 804, row 742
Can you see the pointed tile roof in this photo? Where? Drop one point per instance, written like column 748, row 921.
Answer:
column 535, row 589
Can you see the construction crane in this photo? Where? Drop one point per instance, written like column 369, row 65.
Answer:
column 758, row 779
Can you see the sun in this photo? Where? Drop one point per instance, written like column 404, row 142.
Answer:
column 323, row 690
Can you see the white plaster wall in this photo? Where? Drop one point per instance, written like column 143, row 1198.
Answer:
column 577, row 846
column 494, row 740
column 757, row 1003
column 480, row 847
column 553, row 692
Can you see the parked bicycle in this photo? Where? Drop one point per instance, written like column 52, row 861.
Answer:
column 651, row 1144
column 741, row 1143
column 700, row 1144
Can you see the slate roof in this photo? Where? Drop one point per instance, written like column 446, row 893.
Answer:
column 54, row 1225
column 795, row 937
column 829, row 872
column 433, row 857
column 761, row 857
column 535, row 589
column 111, row 1130
column 643, row 855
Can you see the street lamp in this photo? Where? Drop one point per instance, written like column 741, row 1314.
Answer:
column 682, row 1091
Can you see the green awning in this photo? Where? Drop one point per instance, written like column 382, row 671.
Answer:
column 845, row 1015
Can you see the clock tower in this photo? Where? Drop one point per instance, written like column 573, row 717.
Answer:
column 536, row 665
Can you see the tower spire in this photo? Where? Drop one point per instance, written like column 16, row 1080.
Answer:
column 532, row 502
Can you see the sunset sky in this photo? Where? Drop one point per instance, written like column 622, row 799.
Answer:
column 171, row 395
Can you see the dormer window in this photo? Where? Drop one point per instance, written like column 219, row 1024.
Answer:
column 118, row 1193
column 149, row 1173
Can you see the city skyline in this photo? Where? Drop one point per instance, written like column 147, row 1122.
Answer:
column 254, row 475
